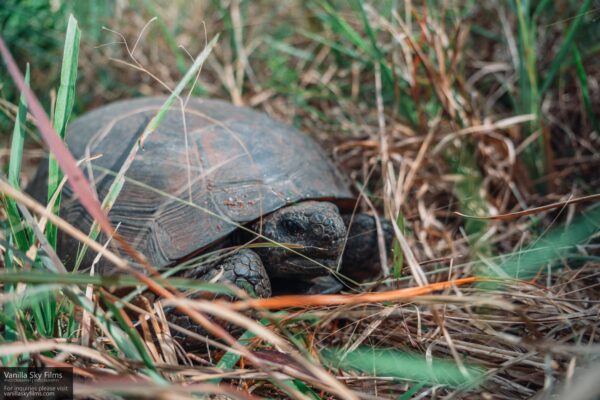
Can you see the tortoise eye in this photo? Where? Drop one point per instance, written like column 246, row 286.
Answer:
column 293, row 226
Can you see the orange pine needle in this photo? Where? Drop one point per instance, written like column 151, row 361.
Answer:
column 303, row 301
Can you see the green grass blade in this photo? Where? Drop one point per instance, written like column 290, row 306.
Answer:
column 376, row 52
column 558, row 244
column 540, row 8
column 402, row 365
column 41, row 315
column 117, row 184
column 73, row 325
column 7, row 320
column 10, row 332
column 342, row 27
column 304, row 388
column 585, row 93
column 289, row 49
column 529, row 86
column 554, row 246
column 468, row 192
column 64, row 106
column 117, row 281
column 138, row 343
column 230, row 359
column 331, row 44
column 120, row 338
column 180, row 60
column 40, row 299
column 17, row 228
column 289, row 386
column 368, row 29
column 187, row 78
column 412, row 391
column 564, row 47
column 18, row 139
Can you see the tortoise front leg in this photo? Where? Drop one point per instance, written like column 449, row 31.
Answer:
column 244, row 269
column 360, row 260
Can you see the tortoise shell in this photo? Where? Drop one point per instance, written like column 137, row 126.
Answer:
column 184, row 191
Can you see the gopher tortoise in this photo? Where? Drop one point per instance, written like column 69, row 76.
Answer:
column 227, row 176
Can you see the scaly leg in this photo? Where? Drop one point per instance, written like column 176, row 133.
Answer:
column 244, row 269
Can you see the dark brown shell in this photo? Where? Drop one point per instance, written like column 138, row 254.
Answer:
column 241, row 165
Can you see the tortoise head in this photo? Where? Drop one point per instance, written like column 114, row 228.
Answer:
column 317, row 230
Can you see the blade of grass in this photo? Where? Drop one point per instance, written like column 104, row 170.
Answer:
column 410, row 394
column 42, row 315
column 340, row 25
column 7, row 319
column 376, row 51
column 116, row 281
column 529, row 89
column 10, row 333
column 540, row 8
column 469, row 195
column 17, row 228
column 188, row 77
column 560, row 57
column 556, row 245
column 329, row 43
column 404, row 366
column 290, row 386
column 167, row 35
column 17, row 255
column 585, row 93
column 230, row 359
column 45, row 313
column 62, row 112
column 536, row 210
column 135, row 338
column 18, row 138
column 119, row 181
column 24, row 348
column 107, row 324
column 73, row 324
